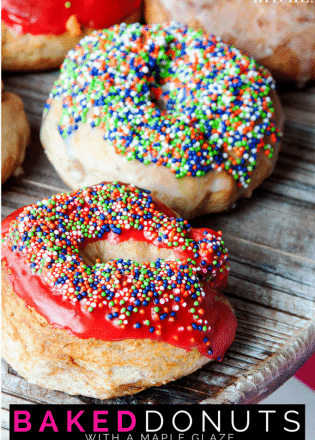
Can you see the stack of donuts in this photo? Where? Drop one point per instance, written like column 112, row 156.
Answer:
column 108, row 289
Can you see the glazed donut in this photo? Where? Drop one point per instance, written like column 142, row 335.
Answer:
column 15, row 134
column 37, row 35
column 280, row 35
column 168, row 109
column 107, row 292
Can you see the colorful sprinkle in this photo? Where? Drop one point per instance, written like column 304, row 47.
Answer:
column 169, row 95
column 51, row 233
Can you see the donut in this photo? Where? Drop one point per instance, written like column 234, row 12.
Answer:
column 15, row 133
column 37, row 35
column 166, row 108
column 280, row 35
column 106, row 291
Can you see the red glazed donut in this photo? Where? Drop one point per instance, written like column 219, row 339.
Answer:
column 166, row 108
column 37, row 35
column 278, row 34
column 107, row 292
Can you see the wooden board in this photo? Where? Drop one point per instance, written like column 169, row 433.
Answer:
column 271, row 241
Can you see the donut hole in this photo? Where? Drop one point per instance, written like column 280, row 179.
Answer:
column 155, row 96
column 158, row 89
column 159, row 103
column 138, row 251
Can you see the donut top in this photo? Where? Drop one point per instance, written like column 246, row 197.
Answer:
column 169, row 95
column 172, row 301
column 51, row 16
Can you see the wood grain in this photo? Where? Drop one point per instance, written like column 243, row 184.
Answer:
column 271, row 241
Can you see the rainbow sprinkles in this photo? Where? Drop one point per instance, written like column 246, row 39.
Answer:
column 169, row 95
column 135, row 298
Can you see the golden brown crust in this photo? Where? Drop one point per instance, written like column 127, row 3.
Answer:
column 54, row 359
column 41, row 52
column 280, row 35
column 15, row 134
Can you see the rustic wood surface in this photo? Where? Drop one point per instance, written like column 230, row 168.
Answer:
column 271, row 241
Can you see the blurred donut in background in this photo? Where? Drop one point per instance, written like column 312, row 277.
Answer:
column 281, row 36
column 37, row 35
column 15, row 134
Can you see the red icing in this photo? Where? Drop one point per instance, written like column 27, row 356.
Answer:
column 65, row 315
column 50, row 16
column 78, row 321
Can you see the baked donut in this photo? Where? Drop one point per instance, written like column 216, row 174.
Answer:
column 280, row 35
column 168, row 109
column 106, row 292
column 37, row 35
column 15, row 133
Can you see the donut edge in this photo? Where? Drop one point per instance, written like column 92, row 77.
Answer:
column 15, row 134
column 54, row 359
